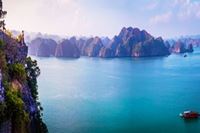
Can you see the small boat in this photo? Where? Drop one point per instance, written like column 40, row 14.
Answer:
column 189, row 114
column 185, row 55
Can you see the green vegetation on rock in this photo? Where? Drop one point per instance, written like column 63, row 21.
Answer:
column 33, row 71
column 20, row 110
column 17, row 71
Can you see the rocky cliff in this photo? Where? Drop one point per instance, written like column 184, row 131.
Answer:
column 42, row 47
column 91, row 47
column 131, row 42
column 67, row 48
column 20, row 111
column 2, row 97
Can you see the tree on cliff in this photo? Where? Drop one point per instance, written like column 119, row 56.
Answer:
column 2, row 15
column 33, row 71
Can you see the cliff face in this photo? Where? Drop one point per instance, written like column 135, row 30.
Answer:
column 19, row 108
column 67, row 48
column 42, row 47
column 151, row 47
column 131, row 42
column 2, row 91
column 91, row 47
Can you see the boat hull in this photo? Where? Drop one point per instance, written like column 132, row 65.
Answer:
column 192, row 115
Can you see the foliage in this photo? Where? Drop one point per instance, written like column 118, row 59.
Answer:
column 2, row 111
column 15, row 107
column 2, row 15
column 2, row 55
column 13, row 100
column 17, row 71
column 41, row 126
column 3, row 62
column 33, row 71
column 2, row 44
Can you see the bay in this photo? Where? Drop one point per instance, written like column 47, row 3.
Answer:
column 120, row 95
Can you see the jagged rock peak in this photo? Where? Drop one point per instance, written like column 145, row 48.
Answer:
column 127, row 33
column 97, row 40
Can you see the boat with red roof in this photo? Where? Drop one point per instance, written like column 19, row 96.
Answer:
column 189, row 114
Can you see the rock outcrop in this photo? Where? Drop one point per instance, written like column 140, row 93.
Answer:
column 131, row 42
column 151, row 47
column 2, row 91
column 67, row 48
column 15, row 52
column 19, row 108
column 191, row 40
column 42, row 47
column 180, row 47
column 190, row 48
column 91, row 47
column 105, row 41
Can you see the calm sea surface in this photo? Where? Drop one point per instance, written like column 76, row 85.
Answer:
column 124, row 95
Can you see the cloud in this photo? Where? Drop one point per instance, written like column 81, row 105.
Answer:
column 161, row 18
column 48, row 16
column 152, row 5
column 181, row 2
column 102, row 17
column 178, row 10
column 187, row 9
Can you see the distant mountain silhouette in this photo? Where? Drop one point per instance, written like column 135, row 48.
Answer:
column 130, row 42
column 180, row 47
column 67, row 49
column 42, row 47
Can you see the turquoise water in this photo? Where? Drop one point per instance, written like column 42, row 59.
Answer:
column 125, row 95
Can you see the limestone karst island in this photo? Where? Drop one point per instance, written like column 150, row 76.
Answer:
column 99, row 66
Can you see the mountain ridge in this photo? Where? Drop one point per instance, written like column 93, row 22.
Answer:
column 130, row 42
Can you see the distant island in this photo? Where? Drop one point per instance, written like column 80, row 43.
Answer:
column 130, row 42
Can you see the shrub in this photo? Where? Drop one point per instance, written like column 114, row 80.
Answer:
column 17, row 71
column 15, row 108
column 2, row 111
column 2, row 44
column 33, row 72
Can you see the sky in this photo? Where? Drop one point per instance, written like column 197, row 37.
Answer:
column 166, row 18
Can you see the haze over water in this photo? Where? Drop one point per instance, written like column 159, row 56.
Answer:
column 121, row 95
